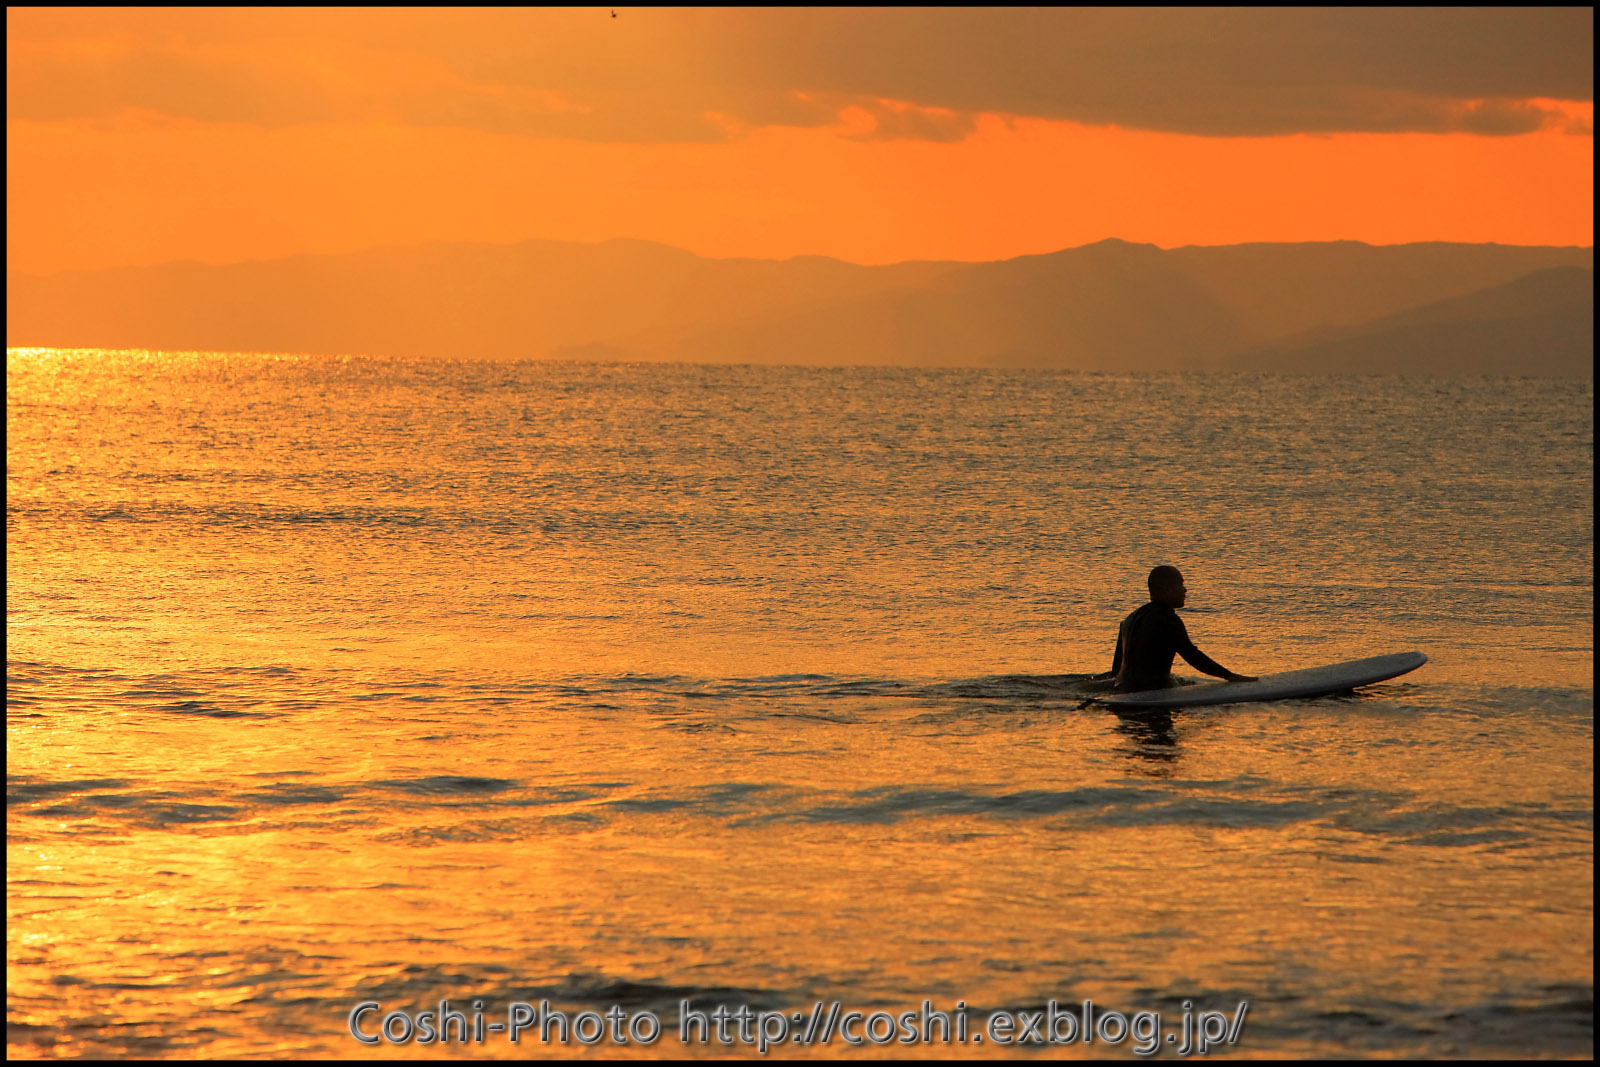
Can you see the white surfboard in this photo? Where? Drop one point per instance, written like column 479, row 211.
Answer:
column 1311, row 682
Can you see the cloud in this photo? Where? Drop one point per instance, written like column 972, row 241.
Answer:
column 709, row 75
column 273, row 86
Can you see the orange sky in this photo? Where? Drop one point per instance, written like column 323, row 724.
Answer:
column 136, row 138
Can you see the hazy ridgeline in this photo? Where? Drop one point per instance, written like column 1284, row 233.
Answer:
column 1435, row 309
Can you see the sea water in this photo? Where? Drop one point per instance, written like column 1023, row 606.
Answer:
column 351, row 680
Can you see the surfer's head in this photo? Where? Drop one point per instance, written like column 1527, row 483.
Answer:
column 1166, row 586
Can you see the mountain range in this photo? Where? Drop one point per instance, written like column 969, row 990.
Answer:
column 1331, row 307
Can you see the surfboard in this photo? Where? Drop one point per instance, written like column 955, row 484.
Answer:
column 1310, row 682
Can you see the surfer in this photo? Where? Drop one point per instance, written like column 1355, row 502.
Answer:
column 1152, row 634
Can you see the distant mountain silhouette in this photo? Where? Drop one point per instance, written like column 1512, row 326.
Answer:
column 1101, row 307
column 1106, row 306
column 1285, row 289
column 1540, row 325
column 458, row 301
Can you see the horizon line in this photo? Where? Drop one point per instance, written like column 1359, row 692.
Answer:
column 1218, row 371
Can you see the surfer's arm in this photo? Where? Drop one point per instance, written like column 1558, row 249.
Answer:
column 1202, row 662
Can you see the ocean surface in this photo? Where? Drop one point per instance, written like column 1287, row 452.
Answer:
column 340, row 680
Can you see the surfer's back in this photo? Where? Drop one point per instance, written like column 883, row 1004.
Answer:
column 1149, row 637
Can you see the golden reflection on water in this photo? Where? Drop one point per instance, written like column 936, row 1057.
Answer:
column 827, row 875
column 347, row 679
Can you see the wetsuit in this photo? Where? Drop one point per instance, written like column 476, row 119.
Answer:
column 1146, row 643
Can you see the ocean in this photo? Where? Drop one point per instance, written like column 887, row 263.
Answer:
column 656, row 689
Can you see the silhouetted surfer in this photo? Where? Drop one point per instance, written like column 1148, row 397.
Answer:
column 1153, row 634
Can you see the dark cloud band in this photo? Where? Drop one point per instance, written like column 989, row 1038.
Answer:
column 706, row 75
